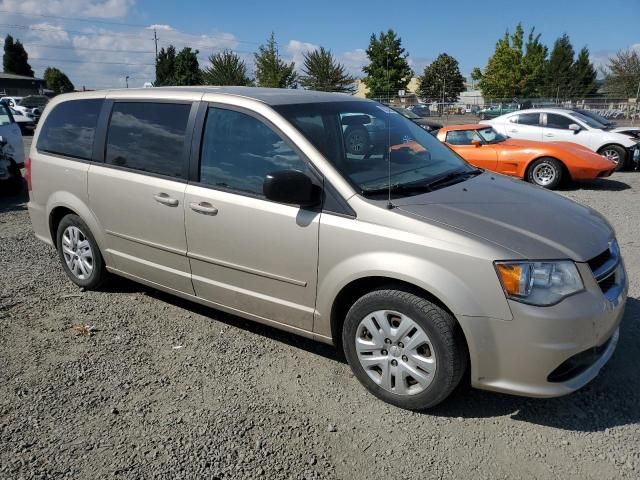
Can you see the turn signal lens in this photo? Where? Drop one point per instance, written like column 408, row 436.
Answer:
column 515, row 278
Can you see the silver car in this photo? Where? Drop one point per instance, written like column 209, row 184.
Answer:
column 419, row 266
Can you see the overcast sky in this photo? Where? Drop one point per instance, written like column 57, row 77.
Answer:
column 116, row 37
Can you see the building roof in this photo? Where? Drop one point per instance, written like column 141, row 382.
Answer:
column 12, row 76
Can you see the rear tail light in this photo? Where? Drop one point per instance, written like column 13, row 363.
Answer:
column 27, row 172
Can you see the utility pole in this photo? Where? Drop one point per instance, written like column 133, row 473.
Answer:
column 155, row 39
column 126, row 79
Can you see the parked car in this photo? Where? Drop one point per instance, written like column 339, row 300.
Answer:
column 610, row 125
column 11, row 101
column 417, row 264
column 555, row 124
column 494, row 111
column 26, row 121
column 544, row 164
column 421, row 109
column 11, row 153
column 29, row 105
column 428, row 125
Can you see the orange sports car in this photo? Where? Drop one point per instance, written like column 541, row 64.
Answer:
column 544, row 164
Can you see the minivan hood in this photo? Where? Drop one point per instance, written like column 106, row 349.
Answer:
column 530, row 221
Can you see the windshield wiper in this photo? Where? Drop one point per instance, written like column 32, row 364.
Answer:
column 399, row 188
column 453, row 177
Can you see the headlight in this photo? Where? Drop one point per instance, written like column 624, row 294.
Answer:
column 539, row 283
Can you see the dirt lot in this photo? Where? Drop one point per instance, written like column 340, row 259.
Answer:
column 169, row 389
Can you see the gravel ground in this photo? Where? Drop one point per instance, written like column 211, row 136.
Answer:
column 169, row 389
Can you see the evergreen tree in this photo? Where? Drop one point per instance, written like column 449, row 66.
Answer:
column 227, row 68
column 559, row 69
column 321, row 72
column 442, row 78
column 388, row 70
column 533, row 66
column 271, row 70
column 57, row 81
column 583, row 77
column 15, row 59
column 166, row 67
column 502, row 76
column 187, row 69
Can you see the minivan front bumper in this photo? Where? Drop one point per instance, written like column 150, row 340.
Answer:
column 547, row 351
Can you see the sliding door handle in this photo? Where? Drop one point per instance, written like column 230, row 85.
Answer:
column 165, row 199
column 203, row 207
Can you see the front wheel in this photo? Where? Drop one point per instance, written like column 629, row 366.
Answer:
column 546, row 173
column 79, row 253
column 616, row 154
column 403, row 348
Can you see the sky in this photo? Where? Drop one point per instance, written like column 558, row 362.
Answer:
column 99, row 43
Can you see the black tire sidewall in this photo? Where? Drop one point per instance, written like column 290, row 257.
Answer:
column 557, row 167
column 98, row 274
column 442, row 340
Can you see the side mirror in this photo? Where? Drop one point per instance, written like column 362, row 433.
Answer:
column 292, row 187
column 476, row 143
column 575, row 127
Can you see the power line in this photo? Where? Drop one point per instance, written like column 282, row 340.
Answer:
column 69, row 47
column 75, row 19
column 89, row 61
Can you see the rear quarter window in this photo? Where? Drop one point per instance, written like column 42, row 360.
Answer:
column 70, row 128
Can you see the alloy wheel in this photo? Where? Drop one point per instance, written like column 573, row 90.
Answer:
column 77, row 252
column 612, row 155
column 395, row 352
column 544, row 174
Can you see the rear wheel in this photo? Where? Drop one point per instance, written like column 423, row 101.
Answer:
column 616, row 154
column 546, row 173
column 79, row 253
column 403, row 348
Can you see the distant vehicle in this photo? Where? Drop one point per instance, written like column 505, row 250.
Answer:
column 33, row 104
column 26, row 121
column 420, row 109
column 11, row 135
column 544, row 164
column 428, row 125
column 494, row 111
column 11, row 101
column 556, row 124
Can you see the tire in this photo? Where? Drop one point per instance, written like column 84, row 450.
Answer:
column 615, row 153
column 546, row 172
column 13, row 185
column 436, row 343
column 356, row 140
column 67, row 243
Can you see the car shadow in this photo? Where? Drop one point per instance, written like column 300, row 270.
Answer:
column 603, row 184
column 596, row 407
column 14, row 202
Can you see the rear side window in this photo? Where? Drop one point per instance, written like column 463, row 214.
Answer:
column 148, row 137
column 462, row 137
column 558, row 121
column 239, row 151
column 529, row 119
column 70, row 127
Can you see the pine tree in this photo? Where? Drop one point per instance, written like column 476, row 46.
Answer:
column 559, row 69
column 271, row 70
column 442, row 78
column 583, row 78
column 226, row 68
column 388, row 70
column 187, row 69
column 57, row 81
column 15, row 59
column 166, row 67
column 502, row 76
column 323, row 73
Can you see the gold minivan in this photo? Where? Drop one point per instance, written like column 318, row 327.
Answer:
column 337, row 219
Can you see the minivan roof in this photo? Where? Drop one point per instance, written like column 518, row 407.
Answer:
column 270, row 96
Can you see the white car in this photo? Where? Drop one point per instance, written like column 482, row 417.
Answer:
column 26, row 121
column 560, row 125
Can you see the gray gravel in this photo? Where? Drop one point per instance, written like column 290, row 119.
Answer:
column 169, row 389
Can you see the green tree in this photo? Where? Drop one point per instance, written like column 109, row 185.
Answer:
column 322, row 72
column 622, row 74
column 583, row 75
column 502, row 77
column 226, row 68
column 187, row 67
column 559, row 69
column 271, row 70
column 57, row 81
column 441, row 78
column 533, row 66
column 388, row 70
column 166, row 67
column 15, row 59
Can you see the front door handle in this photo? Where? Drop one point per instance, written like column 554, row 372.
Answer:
column 203, row 207
column 513, row 131
column 165, row 199
column 549, row 135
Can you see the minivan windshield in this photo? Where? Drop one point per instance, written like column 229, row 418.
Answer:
column 376, row 148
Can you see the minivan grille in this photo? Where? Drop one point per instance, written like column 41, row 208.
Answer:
column 604, row 267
